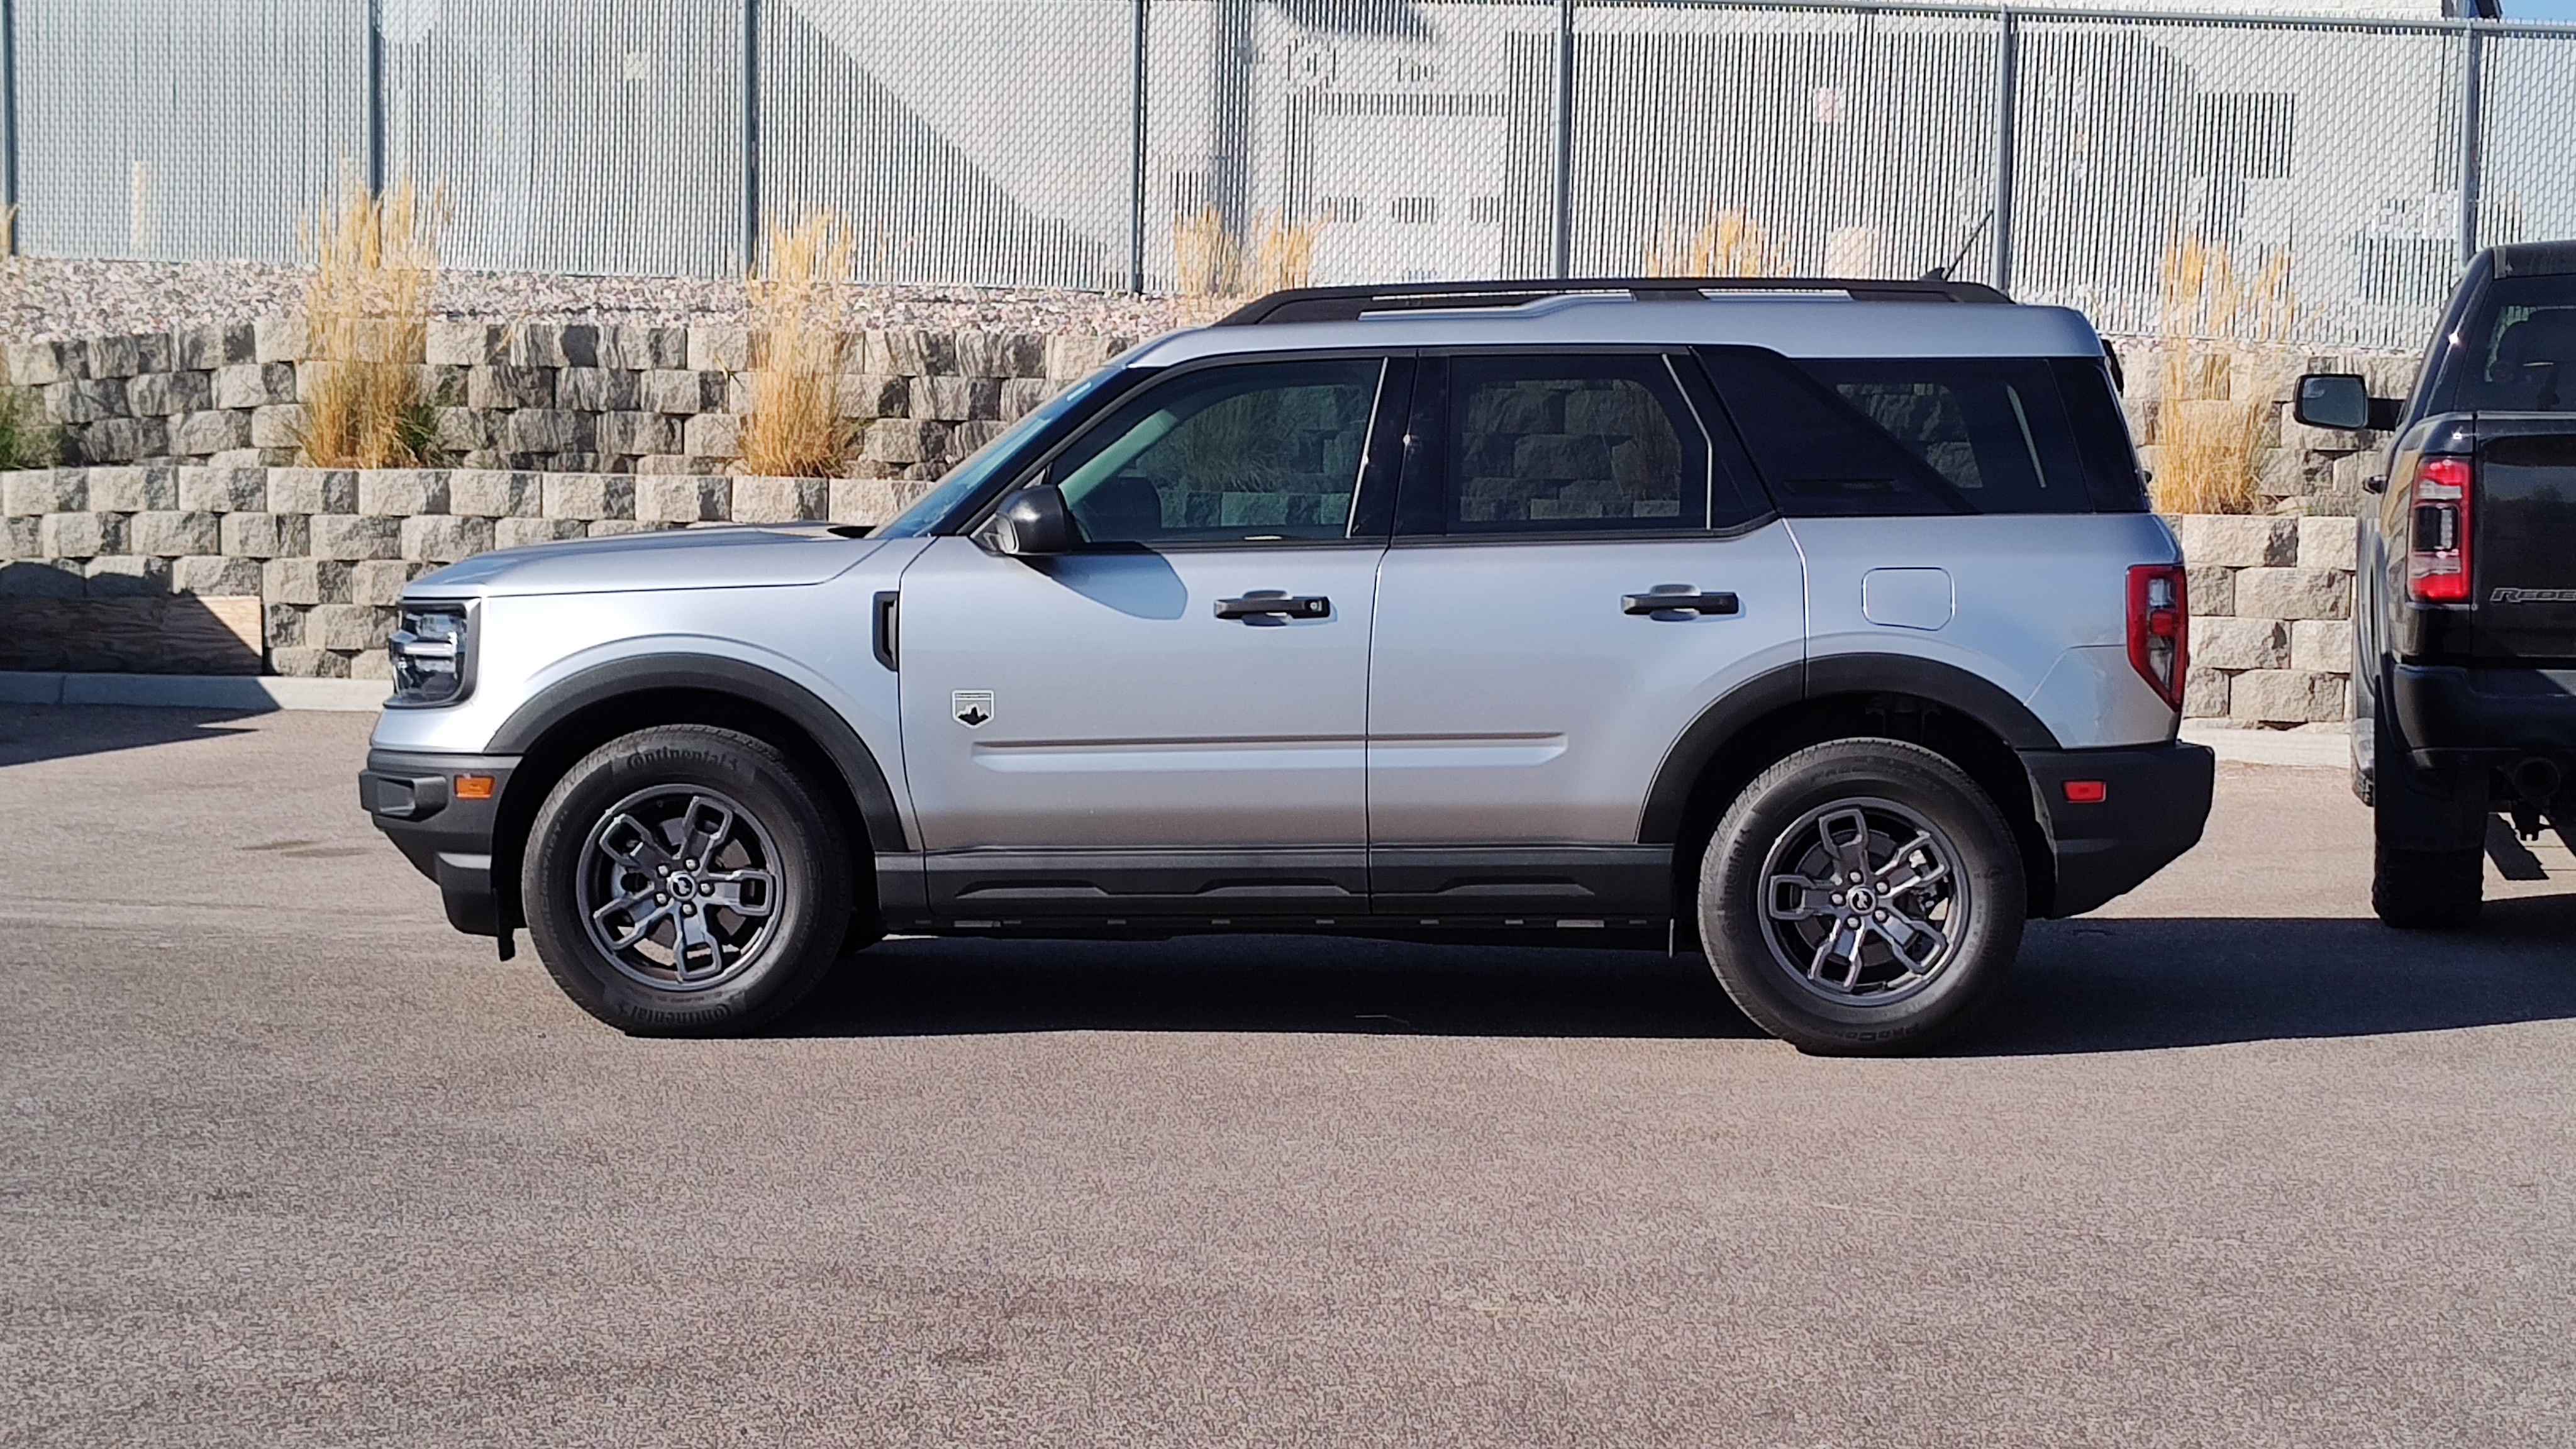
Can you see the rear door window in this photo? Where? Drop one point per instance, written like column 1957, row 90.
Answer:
column 1570, row 444
column 1845, row 436
column 2522, row 352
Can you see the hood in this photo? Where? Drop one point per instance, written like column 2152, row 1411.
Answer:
column 751, row 556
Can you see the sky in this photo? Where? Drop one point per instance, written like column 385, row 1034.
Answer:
column 2558, row 10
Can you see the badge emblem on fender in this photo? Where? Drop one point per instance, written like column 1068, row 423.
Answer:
column 972, row 706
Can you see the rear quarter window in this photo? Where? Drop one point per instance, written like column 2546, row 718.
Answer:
column 1877, row 436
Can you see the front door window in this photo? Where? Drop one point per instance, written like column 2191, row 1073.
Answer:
column 1263, row 452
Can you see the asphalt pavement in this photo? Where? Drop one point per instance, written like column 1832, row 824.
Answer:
column 283, row 1161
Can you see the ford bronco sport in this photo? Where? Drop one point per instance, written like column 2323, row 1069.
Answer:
column 1821, row 623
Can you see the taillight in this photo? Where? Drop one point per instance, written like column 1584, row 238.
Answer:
column 2160, row 628
column 2437, row 544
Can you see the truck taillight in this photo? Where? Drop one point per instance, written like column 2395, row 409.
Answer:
column 2160, row 628
column 2437, row 545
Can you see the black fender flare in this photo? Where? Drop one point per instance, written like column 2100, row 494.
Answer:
column 715, row 674
column 1739, row 708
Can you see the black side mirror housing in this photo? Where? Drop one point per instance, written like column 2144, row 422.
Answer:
column 1034, row 523
column 2332, row 400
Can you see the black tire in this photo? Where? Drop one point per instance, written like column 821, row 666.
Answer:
column 772, row 927
column 2428, row 890
column 1876, row 796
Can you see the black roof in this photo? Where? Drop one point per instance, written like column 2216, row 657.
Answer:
column 2536, row 259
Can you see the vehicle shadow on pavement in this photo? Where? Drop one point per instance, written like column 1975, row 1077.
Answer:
column 33, row 732
column 2091, row 985
column 2137, row 984
column 1266, row 984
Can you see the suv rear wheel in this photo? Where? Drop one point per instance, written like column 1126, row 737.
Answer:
column 682, row 881
column 1861, row 897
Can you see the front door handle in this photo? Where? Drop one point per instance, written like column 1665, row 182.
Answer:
column 1275, row 603
column 1680, row 598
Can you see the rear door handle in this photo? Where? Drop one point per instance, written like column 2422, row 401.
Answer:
column 1275, row 603
column 1680, row 598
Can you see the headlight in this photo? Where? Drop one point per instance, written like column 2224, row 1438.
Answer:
column 432, row 649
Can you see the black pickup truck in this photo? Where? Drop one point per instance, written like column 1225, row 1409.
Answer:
column 2464, row 606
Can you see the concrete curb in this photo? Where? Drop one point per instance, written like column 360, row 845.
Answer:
column 256, row 693
column 2320, row 747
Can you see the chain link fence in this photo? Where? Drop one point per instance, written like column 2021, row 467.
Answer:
column 2313, row 182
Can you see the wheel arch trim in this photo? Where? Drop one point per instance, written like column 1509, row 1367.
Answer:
column 830, row 731
column 1772, row 691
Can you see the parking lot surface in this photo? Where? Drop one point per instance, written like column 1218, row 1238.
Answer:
column 288, row 1162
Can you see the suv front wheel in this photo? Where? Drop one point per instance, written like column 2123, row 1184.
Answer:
column 682, row 881
column 1861, row 897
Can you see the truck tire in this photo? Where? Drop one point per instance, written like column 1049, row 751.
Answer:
column 1862, row 897
column 2427, row 890
column 682, row 881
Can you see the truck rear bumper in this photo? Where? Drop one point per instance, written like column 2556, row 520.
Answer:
column 2453, row 715
column 2152, row 804
column 412, row 798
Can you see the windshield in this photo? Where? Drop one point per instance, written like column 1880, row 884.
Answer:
column 980, row 466
column 2521, row 350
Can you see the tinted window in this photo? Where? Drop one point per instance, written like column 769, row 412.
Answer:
column 2111, row 472
column 1260, row 451
column 1905, row 435
column 2522, row 349
column 1565, row 444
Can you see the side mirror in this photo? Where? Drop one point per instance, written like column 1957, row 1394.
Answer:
column 1034, row 522
column 2332, row 400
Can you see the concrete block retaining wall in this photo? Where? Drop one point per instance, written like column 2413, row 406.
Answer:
column 188, row 493
column 542, row 397
column 303, row 565
column 2271, row 617
column 142, row 567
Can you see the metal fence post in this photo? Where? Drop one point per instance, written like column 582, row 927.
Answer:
column 2471, row 117
column 1564, row 138
column 750, row 135
column 375, row 97
column 9, row 118
column 2007, row 101
column 1136, row 158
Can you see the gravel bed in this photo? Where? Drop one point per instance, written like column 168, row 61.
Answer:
column 42, row 297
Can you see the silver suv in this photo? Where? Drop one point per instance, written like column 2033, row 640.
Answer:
column 1820, row 624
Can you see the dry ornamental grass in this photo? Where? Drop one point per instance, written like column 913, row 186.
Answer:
column 366, row 311
column 1730, row 244
column 1209, row 260
column 795, row 427
column 2225, row 341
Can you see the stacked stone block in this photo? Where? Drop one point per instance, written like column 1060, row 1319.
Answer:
column 542, row 397
column 2271, row 626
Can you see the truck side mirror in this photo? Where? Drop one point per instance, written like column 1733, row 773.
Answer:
column 1035, row 522
column 2332, row 400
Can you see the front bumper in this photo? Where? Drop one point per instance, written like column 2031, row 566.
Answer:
column 2155, row 799
column 412, row 799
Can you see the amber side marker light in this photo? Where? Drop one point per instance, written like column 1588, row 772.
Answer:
column 2086, row 792
column 477, row 787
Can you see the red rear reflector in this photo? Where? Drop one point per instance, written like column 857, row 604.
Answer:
column 473, row 787
column 2087, row 792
